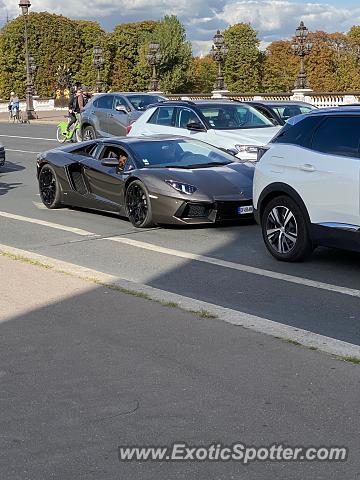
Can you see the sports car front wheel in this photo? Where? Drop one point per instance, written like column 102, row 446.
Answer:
column 138, row 205
column 49, row 187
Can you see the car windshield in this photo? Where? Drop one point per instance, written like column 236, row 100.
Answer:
column 140, row 102
column 233, row 117
column 288, row 111
column 179, row 153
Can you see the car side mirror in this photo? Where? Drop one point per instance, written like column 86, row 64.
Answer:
column 232, row 151
column 121, row 109
column 110, row 162
column 196, row 127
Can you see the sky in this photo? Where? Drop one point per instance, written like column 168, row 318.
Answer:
column 273, row 19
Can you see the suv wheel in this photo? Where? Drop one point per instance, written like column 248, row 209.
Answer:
column 285, row 230
column 88, row 133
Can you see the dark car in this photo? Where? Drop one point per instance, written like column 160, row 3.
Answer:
column 164, row 179
column 110, row 114
column 280, row 111
column 2, row 155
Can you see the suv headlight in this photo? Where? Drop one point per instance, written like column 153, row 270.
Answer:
column 182, row 187
column 247, row 148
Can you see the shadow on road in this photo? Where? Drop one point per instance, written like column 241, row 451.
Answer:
column 9, row 167
column 102, row 369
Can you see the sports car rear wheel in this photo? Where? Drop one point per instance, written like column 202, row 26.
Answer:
column 138, row 205
column 49, row 187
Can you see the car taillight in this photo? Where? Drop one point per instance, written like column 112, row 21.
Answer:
column 261, row 151
column 128, row 130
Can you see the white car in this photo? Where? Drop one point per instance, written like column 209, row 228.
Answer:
column 307, row 184
column 230, row 125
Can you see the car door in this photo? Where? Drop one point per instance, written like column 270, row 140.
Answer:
column 106, row 184
column 118, row 119
column 183, row 118
column 327, row 175
column 102, row 110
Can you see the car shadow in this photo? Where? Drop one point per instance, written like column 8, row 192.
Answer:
column 11, row 167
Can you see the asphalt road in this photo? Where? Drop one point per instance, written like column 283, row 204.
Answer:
column 286, row 300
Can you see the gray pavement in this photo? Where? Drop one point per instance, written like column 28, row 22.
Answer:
column 308, row 307
column 84, row 369
column 43, row 117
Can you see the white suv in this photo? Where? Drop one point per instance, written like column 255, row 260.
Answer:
column 307, row 184
column 230, row 125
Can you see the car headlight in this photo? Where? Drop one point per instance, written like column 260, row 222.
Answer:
column 182, row 187
column 247, row 148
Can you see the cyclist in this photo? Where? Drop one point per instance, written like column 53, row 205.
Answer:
column 76, row 106
column 14, row 105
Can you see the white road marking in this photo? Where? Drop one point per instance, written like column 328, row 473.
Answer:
column 237, row 266
column 29, row 138
column 242, row 319
column 193, row 256
column 20, row 151
column 65, row 228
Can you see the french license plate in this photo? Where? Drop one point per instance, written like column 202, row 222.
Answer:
column 246, row 209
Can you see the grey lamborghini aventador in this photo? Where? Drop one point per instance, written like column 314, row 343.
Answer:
column 150, row 180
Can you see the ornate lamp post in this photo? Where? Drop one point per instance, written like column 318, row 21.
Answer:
column 30, row 64
column 154, row 58
column 219, row 52
column 98, row 62
column 301, row 47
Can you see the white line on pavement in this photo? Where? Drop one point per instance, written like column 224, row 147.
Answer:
column 236, row 266
column 20, row 151
column 242, row 319
column 77, row 231
column 29, row 138
column 193, row 256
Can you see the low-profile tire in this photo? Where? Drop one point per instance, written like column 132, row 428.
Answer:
column 49, row 187
column 88, row 133
column 285, row 230
column 138, row 205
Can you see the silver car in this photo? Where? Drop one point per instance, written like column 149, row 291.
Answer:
column 111, row 114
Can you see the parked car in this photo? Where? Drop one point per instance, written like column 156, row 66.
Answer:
column 2, row 155
column 307, row 184
column 111, row 114
column 230, row 125
column 162, row 179
column 279, row 112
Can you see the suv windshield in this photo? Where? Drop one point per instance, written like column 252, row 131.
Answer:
column 179, row 153
column 140, row 102
column 233, row 117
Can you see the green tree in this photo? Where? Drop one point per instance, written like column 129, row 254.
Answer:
column 175, row 66
column 280, row 67
column 52, row 42
column 203, row 75
column 127, row 42
column 243, row 63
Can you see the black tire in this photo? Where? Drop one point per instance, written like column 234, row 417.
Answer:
column 88, row 133
column 285, row 230
column 138, row 205
column 49, row 187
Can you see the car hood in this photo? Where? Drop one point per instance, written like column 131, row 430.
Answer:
column 228, row 182
column 250, row 136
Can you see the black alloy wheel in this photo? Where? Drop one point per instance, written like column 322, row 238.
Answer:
column 138, row 205
column 89, row 133
column 285, row 230
column 49, row 187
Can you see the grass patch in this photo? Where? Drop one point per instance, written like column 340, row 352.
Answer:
column 29, row 261
column 349, row 359
column 169, row 304
column 313, row 348
column 292, row 342
column 204, row 314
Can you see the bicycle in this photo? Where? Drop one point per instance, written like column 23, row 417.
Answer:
column 15, row 114
column 73, row 135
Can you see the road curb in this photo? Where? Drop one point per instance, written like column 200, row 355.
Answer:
column 308, row 339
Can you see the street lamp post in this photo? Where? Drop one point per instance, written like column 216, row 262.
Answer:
column 30, row 65
column 154, row 58
column 301, row 47
column 219, row 52
column 98, row 62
